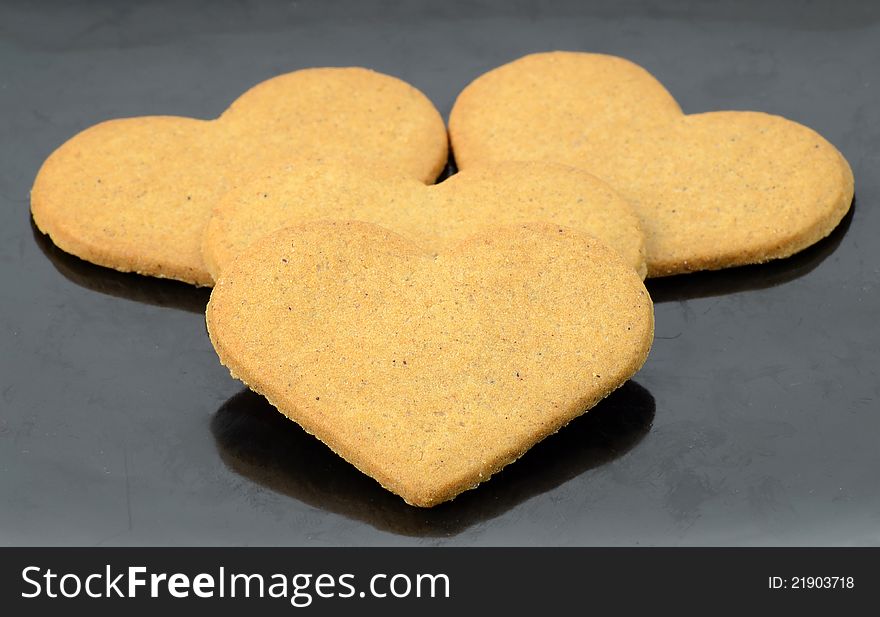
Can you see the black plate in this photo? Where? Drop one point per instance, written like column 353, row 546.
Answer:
column 755, row 420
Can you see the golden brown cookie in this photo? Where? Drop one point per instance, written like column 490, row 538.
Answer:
column 430, row 372
column 135, row 194
column 712, row 190
column 432, row 216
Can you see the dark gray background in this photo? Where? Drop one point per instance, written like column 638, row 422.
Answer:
column 754, row 421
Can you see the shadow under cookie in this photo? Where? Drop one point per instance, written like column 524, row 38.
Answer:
column 127, row 285
column 255, row 441
column 706, row 284
column 450, row 170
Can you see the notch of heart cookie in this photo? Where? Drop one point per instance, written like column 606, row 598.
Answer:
column 430, row 372
column 432, row 216
column 135, row 194
column 712, row 190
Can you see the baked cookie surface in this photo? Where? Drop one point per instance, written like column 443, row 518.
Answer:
column 135, row 194
column 432, row 216
column 430, row 372
column 712, row 190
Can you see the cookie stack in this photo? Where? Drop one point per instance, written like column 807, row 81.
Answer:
column 430, row 334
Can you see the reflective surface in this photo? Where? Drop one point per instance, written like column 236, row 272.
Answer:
column 755, row 420
column 270, row 450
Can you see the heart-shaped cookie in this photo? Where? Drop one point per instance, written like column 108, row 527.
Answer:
column 432, row 216
column 712, row 190
column 430, row 372
column 135, row 194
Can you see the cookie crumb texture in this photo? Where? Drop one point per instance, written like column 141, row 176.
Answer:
column 432, row 216
column 712, row 190
column 135, row 194
column 430, row 373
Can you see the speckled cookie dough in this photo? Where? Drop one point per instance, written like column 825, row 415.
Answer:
column 432, row 216
column 712, row 190
column 135, row 194
column 430, row 372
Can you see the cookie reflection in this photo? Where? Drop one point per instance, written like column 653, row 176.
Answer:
column 748, row 278
column 257, row 442
column 147, row 289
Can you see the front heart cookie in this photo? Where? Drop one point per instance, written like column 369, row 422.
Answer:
column 135, row 194
column 432, row 216
column 430, row 372
column 712, row 190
